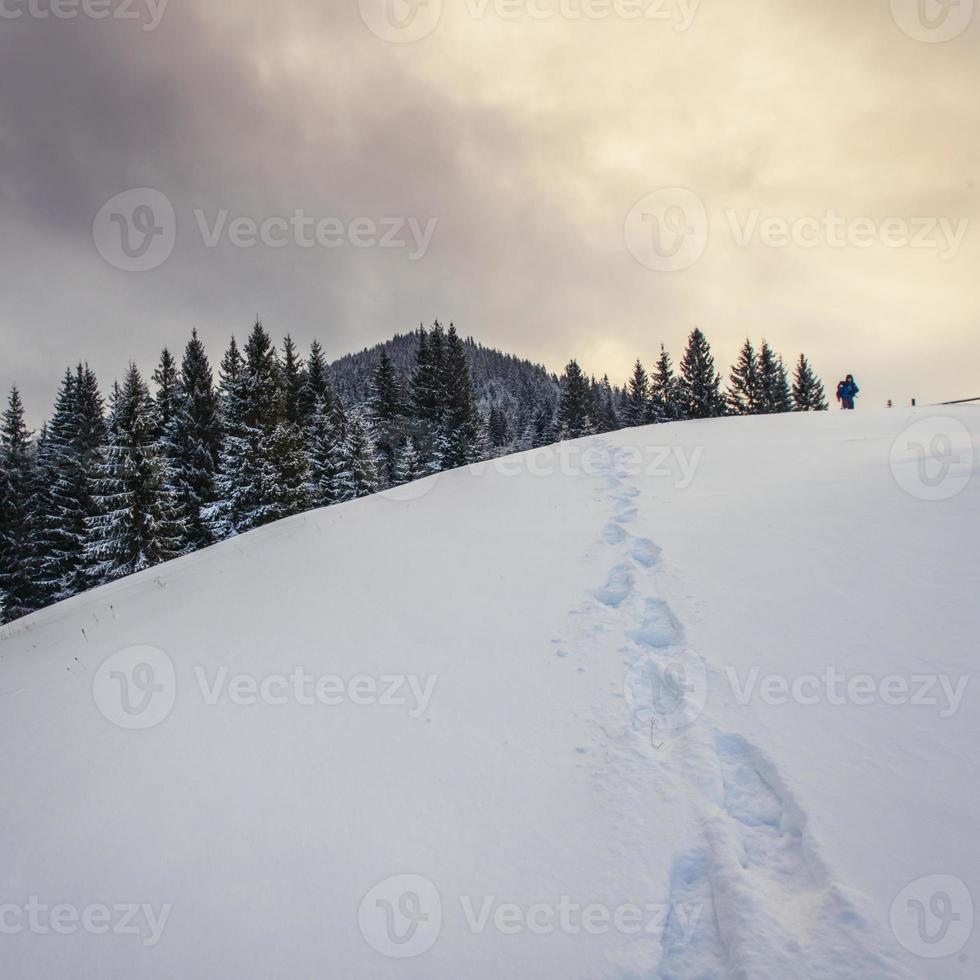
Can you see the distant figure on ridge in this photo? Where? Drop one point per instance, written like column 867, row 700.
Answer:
column 847, row 391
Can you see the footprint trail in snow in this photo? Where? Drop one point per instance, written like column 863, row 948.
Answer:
column 769, row 907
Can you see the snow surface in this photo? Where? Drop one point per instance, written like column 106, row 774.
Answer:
column 556, row 599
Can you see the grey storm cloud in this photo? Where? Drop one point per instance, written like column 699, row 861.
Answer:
column 522, row 144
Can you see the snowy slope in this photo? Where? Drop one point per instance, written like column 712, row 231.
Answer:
column 593, row 647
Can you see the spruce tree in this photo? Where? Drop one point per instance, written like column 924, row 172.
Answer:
column 387, row 408
column 195, row 445
column 136, row 524
column 408, row 466
column 572, row 418
column 316, row 386
column 700, row 386
column 358, row 474
column 808, row 392
column 665, row 394
column 498, row 432
column 292, row 380
column 428, row 397
column 17, row 476
column 745, row 390
column 285, row 474
column 637, row 409
column 231, row 368
column 459, row 434
column 252, row 407
column 606, row 420
column 165, row 400
column 72, row 449
column 773, row 382
column 324, row 445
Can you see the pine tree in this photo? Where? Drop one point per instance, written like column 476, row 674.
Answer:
column 408, row 466
column 292, row 380
column 165, row 401
column 498, row 432
column 745, row 391
column 72, row 449
column 252, row 406
column 136, row 525
column 665, row 394
column 606, row 419
column 358, row 475
column 459, row 429
column 808, row 392
column 17, row 476
column 387, row 413
column 231, row 367
column 285, row 473
column 637, row 409
column 428, row 397
column 324, row 444
column 572, row 418
column 316, row 386
column 773, row 382
column 385, row 402
column 195, row 444
column 700, row 386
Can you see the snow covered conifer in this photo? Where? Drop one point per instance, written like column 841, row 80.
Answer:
column 252, row 406
column 808, row 393
column 285, row 475
column 572, row 418
column 17, row 475
column 358, row 474
column 292, row 380
column 72, row 447
column 324, row 447
column 165, row 400
column 316, row 386
column 231, row 366
column 458, row 419
column 637, row 409
column 745, row 394
column 195, row 444
column 665, row 396
column 136, row 523
column 700, row 391
column 606, row 418
column 387, row 405
column 773, row 382
column 408, row 465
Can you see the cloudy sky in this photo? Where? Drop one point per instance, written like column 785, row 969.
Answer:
column 561, row 178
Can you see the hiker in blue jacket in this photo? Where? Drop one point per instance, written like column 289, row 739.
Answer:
column 847, row 391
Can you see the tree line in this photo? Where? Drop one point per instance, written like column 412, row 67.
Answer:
column 106, row 489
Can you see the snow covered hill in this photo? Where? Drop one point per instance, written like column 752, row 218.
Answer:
column 690, row 701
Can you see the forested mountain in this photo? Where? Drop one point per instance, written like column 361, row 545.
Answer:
column 504, row 386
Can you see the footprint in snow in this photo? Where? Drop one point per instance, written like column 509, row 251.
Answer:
column 645, row 552
column 659, row 628
column 613, row 534
column 618, row 587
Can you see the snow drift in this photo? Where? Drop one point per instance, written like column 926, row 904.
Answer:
column 686, row 701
